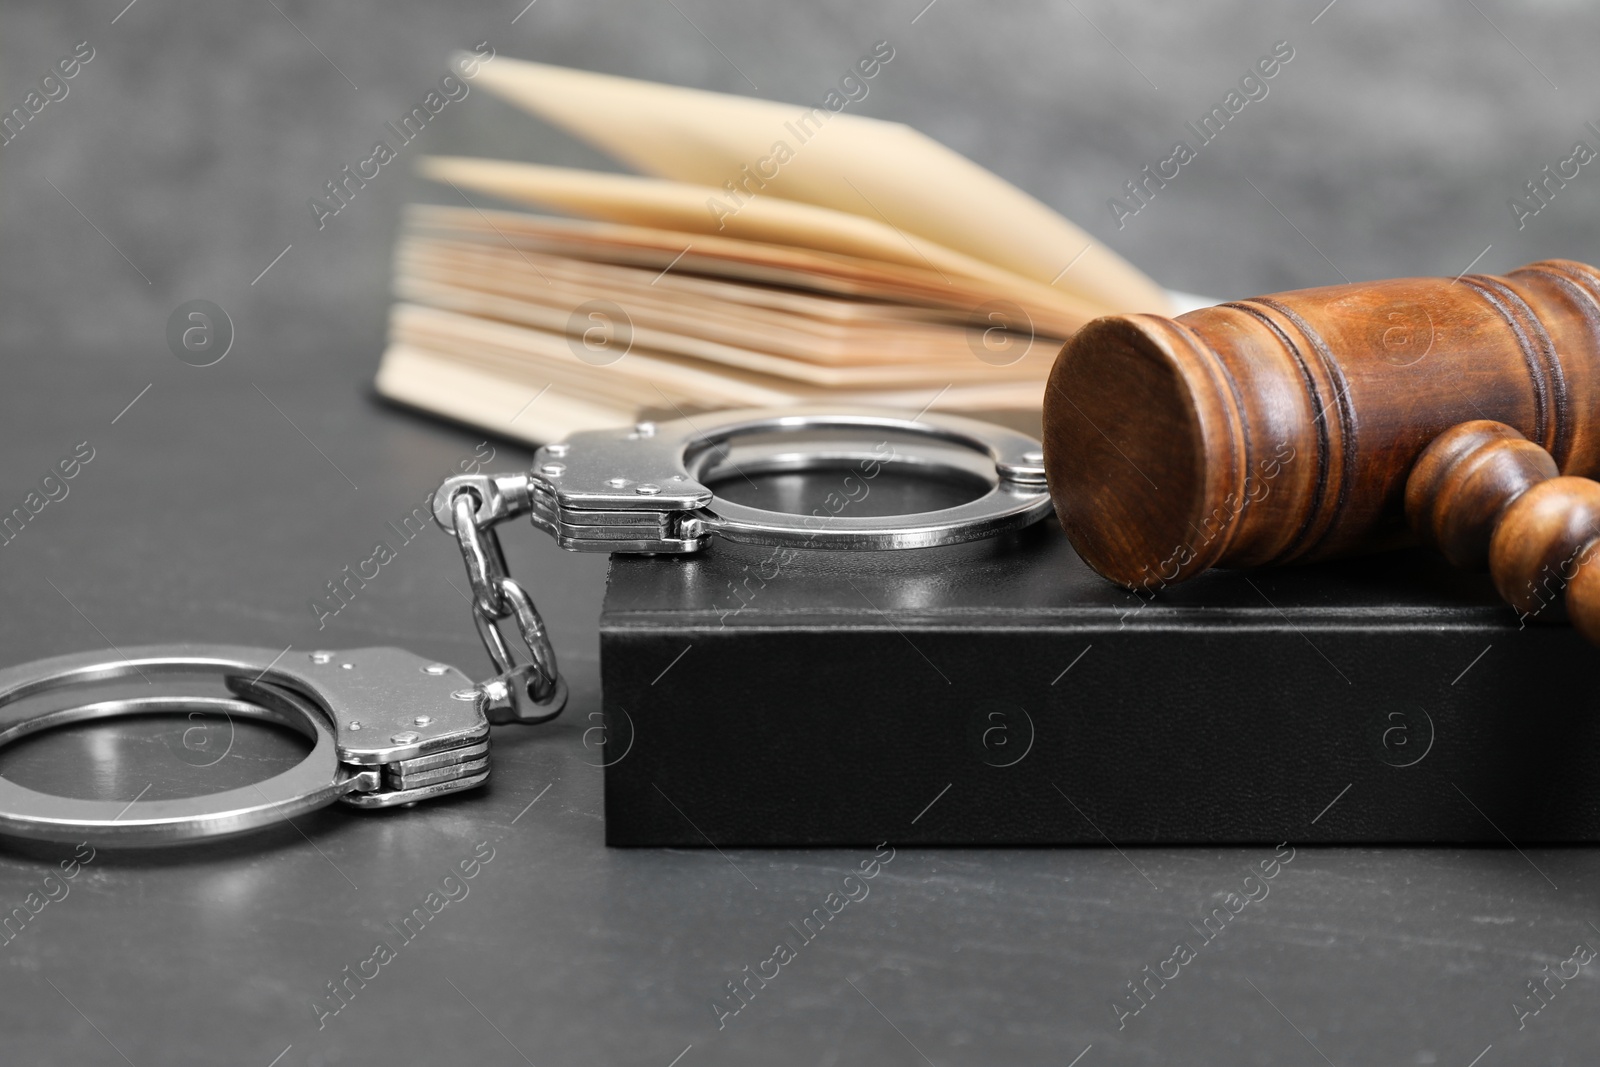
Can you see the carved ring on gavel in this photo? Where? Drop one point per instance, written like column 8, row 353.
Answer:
column 1485, row 495
column 1284, row 428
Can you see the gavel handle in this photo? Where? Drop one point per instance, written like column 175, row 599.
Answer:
column 1483, row 494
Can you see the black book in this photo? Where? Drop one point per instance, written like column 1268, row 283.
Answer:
column 1001, row 693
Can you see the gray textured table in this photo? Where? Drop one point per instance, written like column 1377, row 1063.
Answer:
column 219, row 503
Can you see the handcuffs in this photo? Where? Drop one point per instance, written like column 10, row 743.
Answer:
column 390, row 728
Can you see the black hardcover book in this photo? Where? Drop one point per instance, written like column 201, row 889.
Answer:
column 1000, row 692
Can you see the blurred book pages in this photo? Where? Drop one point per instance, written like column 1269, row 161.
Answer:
column 766, row 254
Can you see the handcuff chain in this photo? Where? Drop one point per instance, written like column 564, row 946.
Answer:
column 480, row 550
column 528, row 692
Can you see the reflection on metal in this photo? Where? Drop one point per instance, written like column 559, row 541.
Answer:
column 648, row 490
column 416, row 740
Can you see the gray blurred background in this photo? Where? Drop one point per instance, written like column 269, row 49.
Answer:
column 179, row 166
column 194, row 138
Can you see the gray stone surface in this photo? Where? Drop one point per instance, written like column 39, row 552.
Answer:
column 190, row 144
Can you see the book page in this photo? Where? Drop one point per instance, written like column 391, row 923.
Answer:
column 851, row 163
column 680, row 206
column 753, row 262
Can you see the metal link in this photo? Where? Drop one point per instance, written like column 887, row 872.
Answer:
column 534, row 637
column 480, row 550
column 499, row 497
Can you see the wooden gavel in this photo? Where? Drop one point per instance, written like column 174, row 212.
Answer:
column 1316, row 423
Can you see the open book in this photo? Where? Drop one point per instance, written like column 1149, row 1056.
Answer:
column 767, row 254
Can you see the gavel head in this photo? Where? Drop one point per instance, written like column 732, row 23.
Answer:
column 1282, row 428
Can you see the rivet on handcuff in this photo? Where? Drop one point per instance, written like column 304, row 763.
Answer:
column 390, row 728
